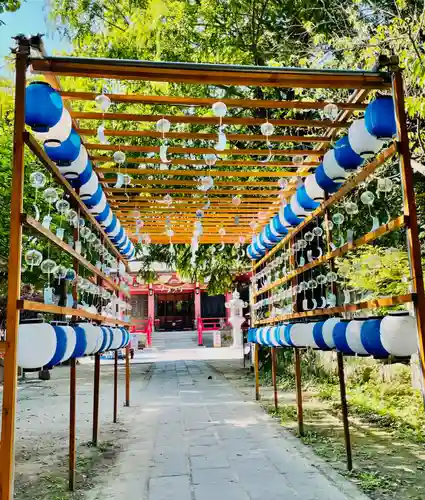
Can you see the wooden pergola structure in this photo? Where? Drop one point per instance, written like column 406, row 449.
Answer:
column 239, row 171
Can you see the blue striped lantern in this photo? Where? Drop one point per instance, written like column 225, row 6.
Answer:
column 65, row 152
column 249, row 253
column 353, row 336
column 126, row 248
column 116, row 229
column 380, row 118
column 312, row 189
column 270, row 337
column 257, row 335
column 371, row 338
column 91, row 191
column 103, row 216
column 43, row 106
column 296, row 208
column 132, row 254
column 318, row 337
column 361, row 141
column 327, row 331
column 118, row 236
column 258, row 245
column 272, row 228
column 271, row 236
column 110, row 338
column 280, row 336
column 264, row 241
column 251, row 335
column 278, row 227
column 120, row 243
column 339, row 336
column 290, row 217
column 307, row 203
column 106, row 338
column 99, row 207
column 60, row 131
column 80, row 170
column 61, row 341
column 324, row 181
column 107, row 223
column 345, row 156
column 263, row 335
column 81, row 342
column 282, row 219
column 332, row 169
column 116, row 339
column 287, row 334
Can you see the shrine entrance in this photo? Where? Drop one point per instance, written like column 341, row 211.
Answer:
column 175, row 311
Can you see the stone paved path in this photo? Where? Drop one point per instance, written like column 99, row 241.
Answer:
column 192, row 436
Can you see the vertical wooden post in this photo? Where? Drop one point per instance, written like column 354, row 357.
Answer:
column 344, row 409
column 72, row 449
column 7, row 449
column 257, row 371
column 72, row 423
column 115, row 386
column 276, row 402
column 127, row 376
column 298, row 387
column 409, row 208
column 96, row 398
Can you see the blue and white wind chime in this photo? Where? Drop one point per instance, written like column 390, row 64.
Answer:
column 392, row 335
column 51, row 123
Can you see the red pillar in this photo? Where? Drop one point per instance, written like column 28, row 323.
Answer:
column 198, row 312
column 151, row 314
column 227, row 298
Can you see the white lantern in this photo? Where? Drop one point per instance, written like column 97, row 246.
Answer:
column 59, row 132
column 327, row 331
column 399, row 334
column 332, row 169
column 353, row 336
column 310, row 342
column 103, row 102
column 77, row 167
column 297, row 208
column 267, row 129
column 301, row 334
column 313, row 190
column 71, row 340
column 117, row 338
column 361, row 141
column 36, row 345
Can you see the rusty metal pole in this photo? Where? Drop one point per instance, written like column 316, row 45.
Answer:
column 96, row 390
column 257, row 371
column 115, row 386
column 274, row 367
column 7, row 450
column 298, row 388
column 344, row 408
column 72, row 462
column 127, row 376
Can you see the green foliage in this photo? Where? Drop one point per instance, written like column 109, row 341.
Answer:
column 9, row 6
column 377, row 271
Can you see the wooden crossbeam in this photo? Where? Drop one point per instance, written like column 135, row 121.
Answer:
column 207, row 74
column 195, row 201
column 194, row 173
column 205, row 120
column 203, row 151
column 189, row 191
column 220, row 163
column 208, row 101
column 203, row 136
column 185, row 182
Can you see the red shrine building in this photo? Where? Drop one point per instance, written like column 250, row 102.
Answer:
column 171, row 304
